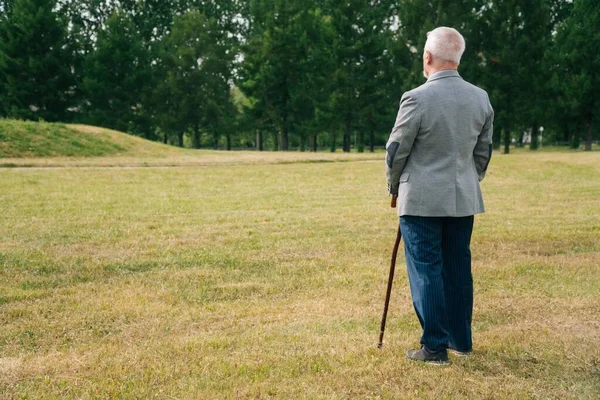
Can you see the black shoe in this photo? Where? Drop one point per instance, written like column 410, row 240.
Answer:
column 423, row 354
column 460, row 353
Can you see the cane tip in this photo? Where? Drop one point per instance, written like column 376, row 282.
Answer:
column 379, row 345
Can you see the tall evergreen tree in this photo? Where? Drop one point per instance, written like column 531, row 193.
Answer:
column 392, row 79
column 535, row 40
column 559, row 121
column 197, row 63
column 115, row 75
column 516, row 38
column 314, row 65
column 310, row 69
column 252, row 74
column 348, row 54
column 578, row 44
column 35, row 67
column 382, row 73
column 283, row 66
column 502, row 26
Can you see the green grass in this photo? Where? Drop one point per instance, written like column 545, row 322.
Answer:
column 22, row 139
column 267, row 281
column 548, row 148
column 42, row 145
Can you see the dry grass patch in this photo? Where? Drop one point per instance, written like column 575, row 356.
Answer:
column 267, row 281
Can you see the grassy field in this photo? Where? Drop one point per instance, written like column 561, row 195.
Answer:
column 267, row 281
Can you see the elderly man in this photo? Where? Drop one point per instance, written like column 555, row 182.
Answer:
column 437, row 154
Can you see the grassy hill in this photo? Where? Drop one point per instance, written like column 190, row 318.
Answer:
column 40, row 144
column 24, row 139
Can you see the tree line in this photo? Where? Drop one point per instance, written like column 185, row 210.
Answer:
column 293, row 74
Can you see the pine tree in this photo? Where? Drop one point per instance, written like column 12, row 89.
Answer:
column 370, row 67
column 502, row 54
column 283, row 69
column 35, row 66
column 115, row 76
column 196, row 61
column 578, row 44
column 348, row 55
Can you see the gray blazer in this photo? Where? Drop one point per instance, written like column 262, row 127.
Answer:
column 440, row 148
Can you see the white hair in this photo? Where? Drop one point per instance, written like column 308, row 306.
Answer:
column 446, row 44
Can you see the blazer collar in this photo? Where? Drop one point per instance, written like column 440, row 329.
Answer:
column 447, row 73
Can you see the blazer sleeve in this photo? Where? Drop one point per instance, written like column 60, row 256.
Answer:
column 482, row 153
column 401, row 140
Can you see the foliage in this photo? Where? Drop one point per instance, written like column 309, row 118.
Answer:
column 196, row 61
column 284, row 65
column 578, row 44
column 115, row 77
column 363, row 75
column 313, row 73
column 35, row 75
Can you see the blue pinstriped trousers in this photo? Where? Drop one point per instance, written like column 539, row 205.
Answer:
column 438, row 258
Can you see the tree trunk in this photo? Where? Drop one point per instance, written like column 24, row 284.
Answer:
column 588, row 136
column 521, row 137
column 285, row 143
column 228, row 141
column 575, row 139
column 361, row 141
column 215, row 141
column 259, row 140
column 313, row 145
column 333, row 145
column 196, row 138
column 275, row 141
column 303, row 142
column 534, row 136
column 497, row 137
column 346, row 145
column 180, row 139
column 371, row 132
column 165, row 138
column 347, row 133
column 507, row 139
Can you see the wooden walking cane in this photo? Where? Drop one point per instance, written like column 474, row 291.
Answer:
column 390, row 279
